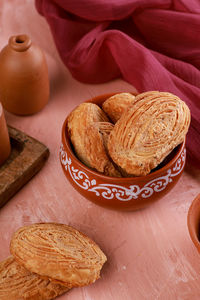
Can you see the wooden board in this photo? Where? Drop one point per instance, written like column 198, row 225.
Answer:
column 27, row 157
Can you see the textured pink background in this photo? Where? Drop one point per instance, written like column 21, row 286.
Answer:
column 150, row 254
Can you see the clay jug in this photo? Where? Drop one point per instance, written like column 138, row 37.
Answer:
column 24, row 83
column 4, row 138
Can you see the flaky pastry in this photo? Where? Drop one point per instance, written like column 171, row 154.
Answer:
column 78, row 121
column 95, row 144
column 116, row 105
column 59, row 252
column 17, row 283
column 148, row 131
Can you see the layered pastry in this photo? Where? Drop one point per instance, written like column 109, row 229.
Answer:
column 88, row 127
column 117, row 104
column 147, row 132
column 17, row 283
column 95, row 143
column 58, row 252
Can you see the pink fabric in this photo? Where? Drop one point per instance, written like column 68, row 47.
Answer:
column 152, row 44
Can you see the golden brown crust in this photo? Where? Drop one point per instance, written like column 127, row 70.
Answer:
column 95, row 143
column 117, row 104
column 59, row 252
column 148, row 131
column 78, row 121
column 17, row 283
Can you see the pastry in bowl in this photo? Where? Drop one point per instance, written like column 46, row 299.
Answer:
column 96, row 139
column 121, row 193
column 88, row 128
column 115, row 105
column 147, row 132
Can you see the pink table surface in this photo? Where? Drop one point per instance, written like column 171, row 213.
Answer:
column 150, row 254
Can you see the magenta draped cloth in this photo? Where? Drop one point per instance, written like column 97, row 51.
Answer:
column 152, row 44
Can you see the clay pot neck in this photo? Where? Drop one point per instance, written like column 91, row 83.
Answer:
column 20, row 43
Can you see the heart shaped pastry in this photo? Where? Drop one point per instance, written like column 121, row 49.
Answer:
column 148, row 131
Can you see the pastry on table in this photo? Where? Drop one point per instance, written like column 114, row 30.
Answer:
column 58, row 252
column 95, row 143
column 116, row 105
column 148, row 131
column 17, row 283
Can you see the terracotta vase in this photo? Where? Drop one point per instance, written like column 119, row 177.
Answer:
column 4, row 138
column 24, row 83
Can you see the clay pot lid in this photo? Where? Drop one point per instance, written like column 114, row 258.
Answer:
column 20, row 42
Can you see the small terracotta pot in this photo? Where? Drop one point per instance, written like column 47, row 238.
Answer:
column 193, row 222
column 4, row 138
column 126, row 194
column 24, row 83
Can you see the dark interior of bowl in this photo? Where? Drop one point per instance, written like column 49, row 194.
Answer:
column 167, row 159
column 198, row 232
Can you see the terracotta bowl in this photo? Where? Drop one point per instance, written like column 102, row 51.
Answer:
column 125, row 194
column 193, row 222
